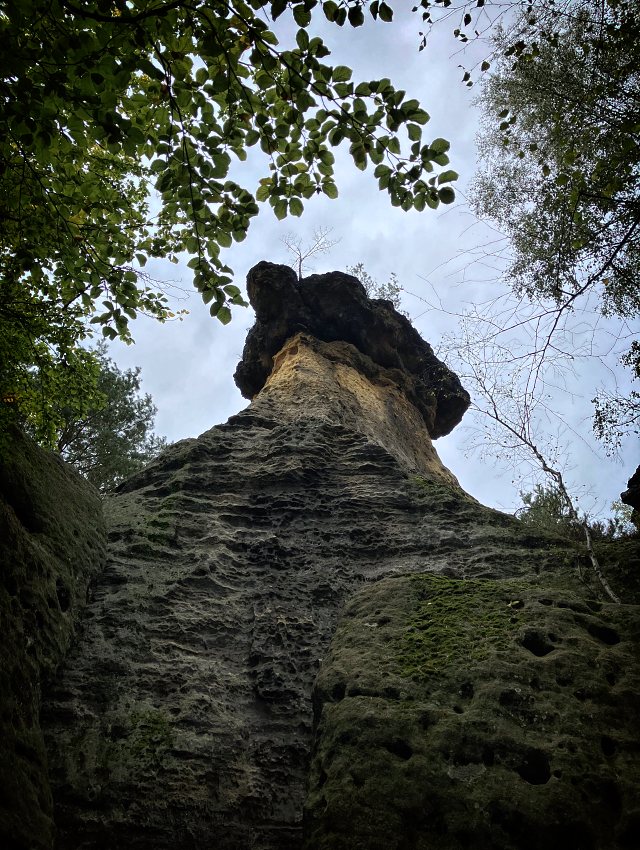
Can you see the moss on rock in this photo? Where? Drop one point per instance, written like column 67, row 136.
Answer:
column 484, row 714
column 52, row 541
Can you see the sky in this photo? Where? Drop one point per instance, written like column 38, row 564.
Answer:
column 187, row 366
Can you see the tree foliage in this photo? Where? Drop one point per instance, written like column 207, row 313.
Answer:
column 561, row 142
column 121, row 126
column 112, row 437
column 390, row 290
column 545, row 507
column 617, row 416
column 562, row 178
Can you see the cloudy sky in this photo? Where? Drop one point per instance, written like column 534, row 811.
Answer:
column 187, row 365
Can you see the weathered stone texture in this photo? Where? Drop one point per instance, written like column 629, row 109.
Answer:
column 184, row 717
column 52, row 542
column 477, row 714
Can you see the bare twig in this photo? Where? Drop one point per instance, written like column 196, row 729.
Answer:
column 301, row 251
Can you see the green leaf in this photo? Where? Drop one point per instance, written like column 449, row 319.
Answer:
column 356, row 16
column 448, row 176
column 280, row 209
column 341, row 74
column 296, row 207
column 432, row 200
column 446, row 195
column 439, row 146
column 301, row 15
column 330, row 10
column 336, row 136
column 330, row 190
column 420, row 116
column 224, row 315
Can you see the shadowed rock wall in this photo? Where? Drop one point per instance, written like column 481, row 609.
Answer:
column 185, row 717
column 52, row 542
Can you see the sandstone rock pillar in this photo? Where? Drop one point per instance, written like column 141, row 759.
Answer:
column 184, row 718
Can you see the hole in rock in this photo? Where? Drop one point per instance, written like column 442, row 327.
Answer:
column 399, row 748
column 426, row 720
column 604, row 633
column 594, row 606
column 545, row 601
column 611, row 678
column 608, row 745
column 537, row 643
column 488, row 757
column 466, row 690
column 322, row 779
column 557, row 774
column 338, row 691
column 534, row 767
column 64, row 598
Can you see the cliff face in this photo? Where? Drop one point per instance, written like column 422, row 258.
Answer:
column 185, row 715
column 52, row 543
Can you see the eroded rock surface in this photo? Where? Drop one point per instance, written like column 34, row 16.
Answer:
column 184, row 717
column 477, row 714
column 52, row 542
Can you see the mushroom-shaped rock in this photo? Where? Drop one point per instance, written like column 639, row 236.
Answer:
column 335, row 307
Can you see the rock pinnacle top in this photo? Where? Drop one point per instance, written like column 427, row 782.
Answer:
column 335, row 307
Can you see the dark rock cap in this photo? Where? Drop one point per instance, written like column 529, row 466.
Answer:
column 631, row 495
column 335, row 306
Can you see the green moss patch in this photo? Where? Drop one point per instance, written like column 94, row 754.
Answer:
column 456, row 620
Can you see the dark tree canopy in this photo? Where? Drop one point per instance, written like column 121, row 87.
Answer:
column 104, row 102
column 113, row 437
column 562, row 175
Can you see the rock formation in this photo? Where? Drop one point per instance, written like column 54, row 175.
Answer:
column 307, row 634
column 52, row 543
